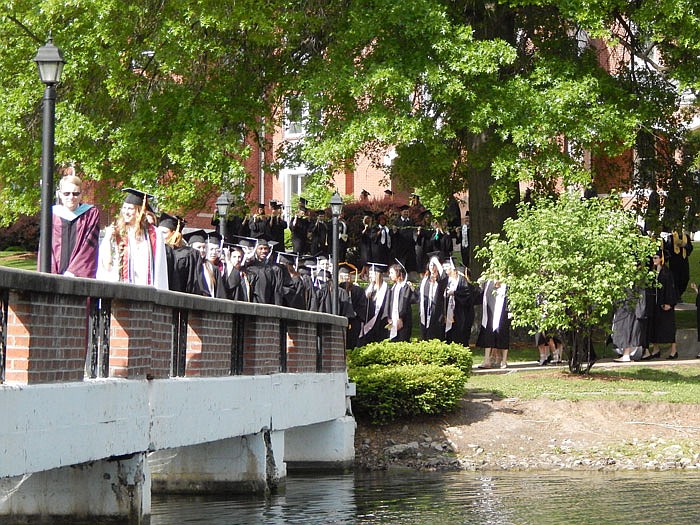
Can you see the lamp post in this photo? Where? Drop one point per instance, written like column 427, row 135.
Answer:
column 49, row 60
column 336, row 209
column 223, row 204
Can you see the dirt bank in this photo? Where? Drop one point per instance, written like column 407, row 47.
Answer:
column 488, row 433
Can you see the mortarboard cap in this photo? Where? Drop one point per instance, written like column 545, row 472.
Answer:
column 388, row 192
column 245, row 242
column 308, row 261
column 364, row 192
column 136, row 197
column 261, row 205
column 347, row 267
column 377, row 267
column 415, row 196
column 302, row 201
column 437, row 255
column 213, row 238
column 170, row 222
column 320, row 212
column 195, row 236
column 402, row 266
column 424, row 213
column 304, row 270
column 324, row 275
column 404, row 207
column 287, row 258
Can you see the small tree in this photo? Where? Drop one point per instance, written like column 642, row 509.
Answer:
column 566, row 262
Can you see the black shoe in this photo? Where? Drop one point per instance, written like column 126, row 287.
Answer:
column 673, row 356
column 657, row 355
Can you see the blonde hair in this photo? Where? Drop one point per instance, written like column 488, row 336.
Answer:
column 70, row 179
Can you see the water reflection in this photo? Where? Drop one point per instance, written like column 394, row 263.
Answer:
column 453, row 498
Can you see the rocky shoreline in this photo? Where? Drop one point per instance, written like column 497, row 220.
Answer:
column 594, row 437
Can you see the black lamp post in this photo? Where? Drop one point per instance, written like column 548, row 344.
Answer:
column 336, row 209
column 49, row 60
column 223, row 204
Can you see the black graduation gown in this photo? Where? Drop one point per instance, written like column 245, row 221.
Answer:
column 678, row 264
column 663, row 322
column 403, row 244
column 465, row 296
column 359, row 306
column 319, row 238
column 265, row 282
column 185, row 264
column 406, row 298
column 488, row 337
column 378, row 331
column 434, row 327
column 202, row 287
column 277, row 227
column 237, row 286
column 299, row 227
column 294, row 291
column 259, row 228
column 381, row 245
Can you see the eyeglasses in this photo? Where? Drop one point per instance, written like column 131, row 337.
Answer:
column 69, row 193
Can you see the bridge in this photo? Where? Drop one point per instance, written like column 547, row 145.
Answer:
column 111, row 391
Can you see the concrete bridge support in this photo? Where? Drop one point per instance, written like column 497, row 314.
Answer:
column 108, row 489
column 239, row 465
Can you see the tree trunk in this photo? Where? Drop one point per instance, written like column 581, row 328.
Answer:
column 485, row 217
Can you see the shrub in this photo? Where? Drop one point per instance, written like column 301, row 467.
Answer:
column 417, row 352
column 22, row 235
column 399, row 380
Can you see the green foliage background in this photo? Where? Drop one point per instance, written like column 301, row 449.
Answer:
column 567, row 261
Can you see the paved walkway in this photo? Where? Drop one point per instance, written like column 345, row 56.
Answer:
column 606, row 362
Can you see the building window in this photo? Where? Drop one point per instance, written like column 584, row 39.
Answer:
column 296, row 112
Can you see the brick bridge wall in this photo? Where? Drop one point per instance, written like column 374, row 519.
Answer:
column 45, row 332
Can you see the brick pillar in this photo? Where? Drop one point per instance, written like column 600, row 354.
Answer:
column 209, row 344
column 46, row 337
column 161, row 347
column 301, row 347
column 333, row 348
column 261, row 346
column 131, row 339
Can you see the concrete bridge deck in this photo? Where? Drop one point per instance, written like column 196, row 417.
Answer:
column 110, row 391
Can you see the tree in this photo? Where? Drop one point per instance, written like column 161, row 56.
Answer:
column 157, row 95
column 482, row 95
column 566, row 262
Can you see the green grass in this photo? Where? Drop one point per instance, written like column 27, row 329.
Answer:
column 21, row 260
column 671, row 384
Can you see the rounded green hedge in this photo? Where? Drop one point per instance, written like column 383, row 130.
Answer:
column 434, row 352
column 400, row 380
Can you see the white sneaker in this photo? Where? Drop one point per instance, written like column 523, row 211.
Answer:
column 623, row 359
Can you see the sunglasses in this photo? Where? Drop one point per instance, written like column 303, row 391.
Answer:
column 69, row 193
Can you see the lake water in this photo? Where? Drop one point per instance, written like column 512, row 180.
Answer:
column 407, row 497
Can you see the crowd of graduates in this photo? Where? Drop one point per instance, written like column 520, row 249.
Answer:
column 406, row 261
column 251, row 263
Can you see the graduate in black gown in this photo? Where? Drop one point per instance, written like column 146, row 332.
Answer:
column 460, row 296
column 265, row 277
column 662, row 325
column 403, row 242
column 377, row 291
column 431, row 300
column 277, row 226
column 209, row 279
column 319, row 234
column 259, row 224
column 398, row 309
column 299, row 226
column 358, row 301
